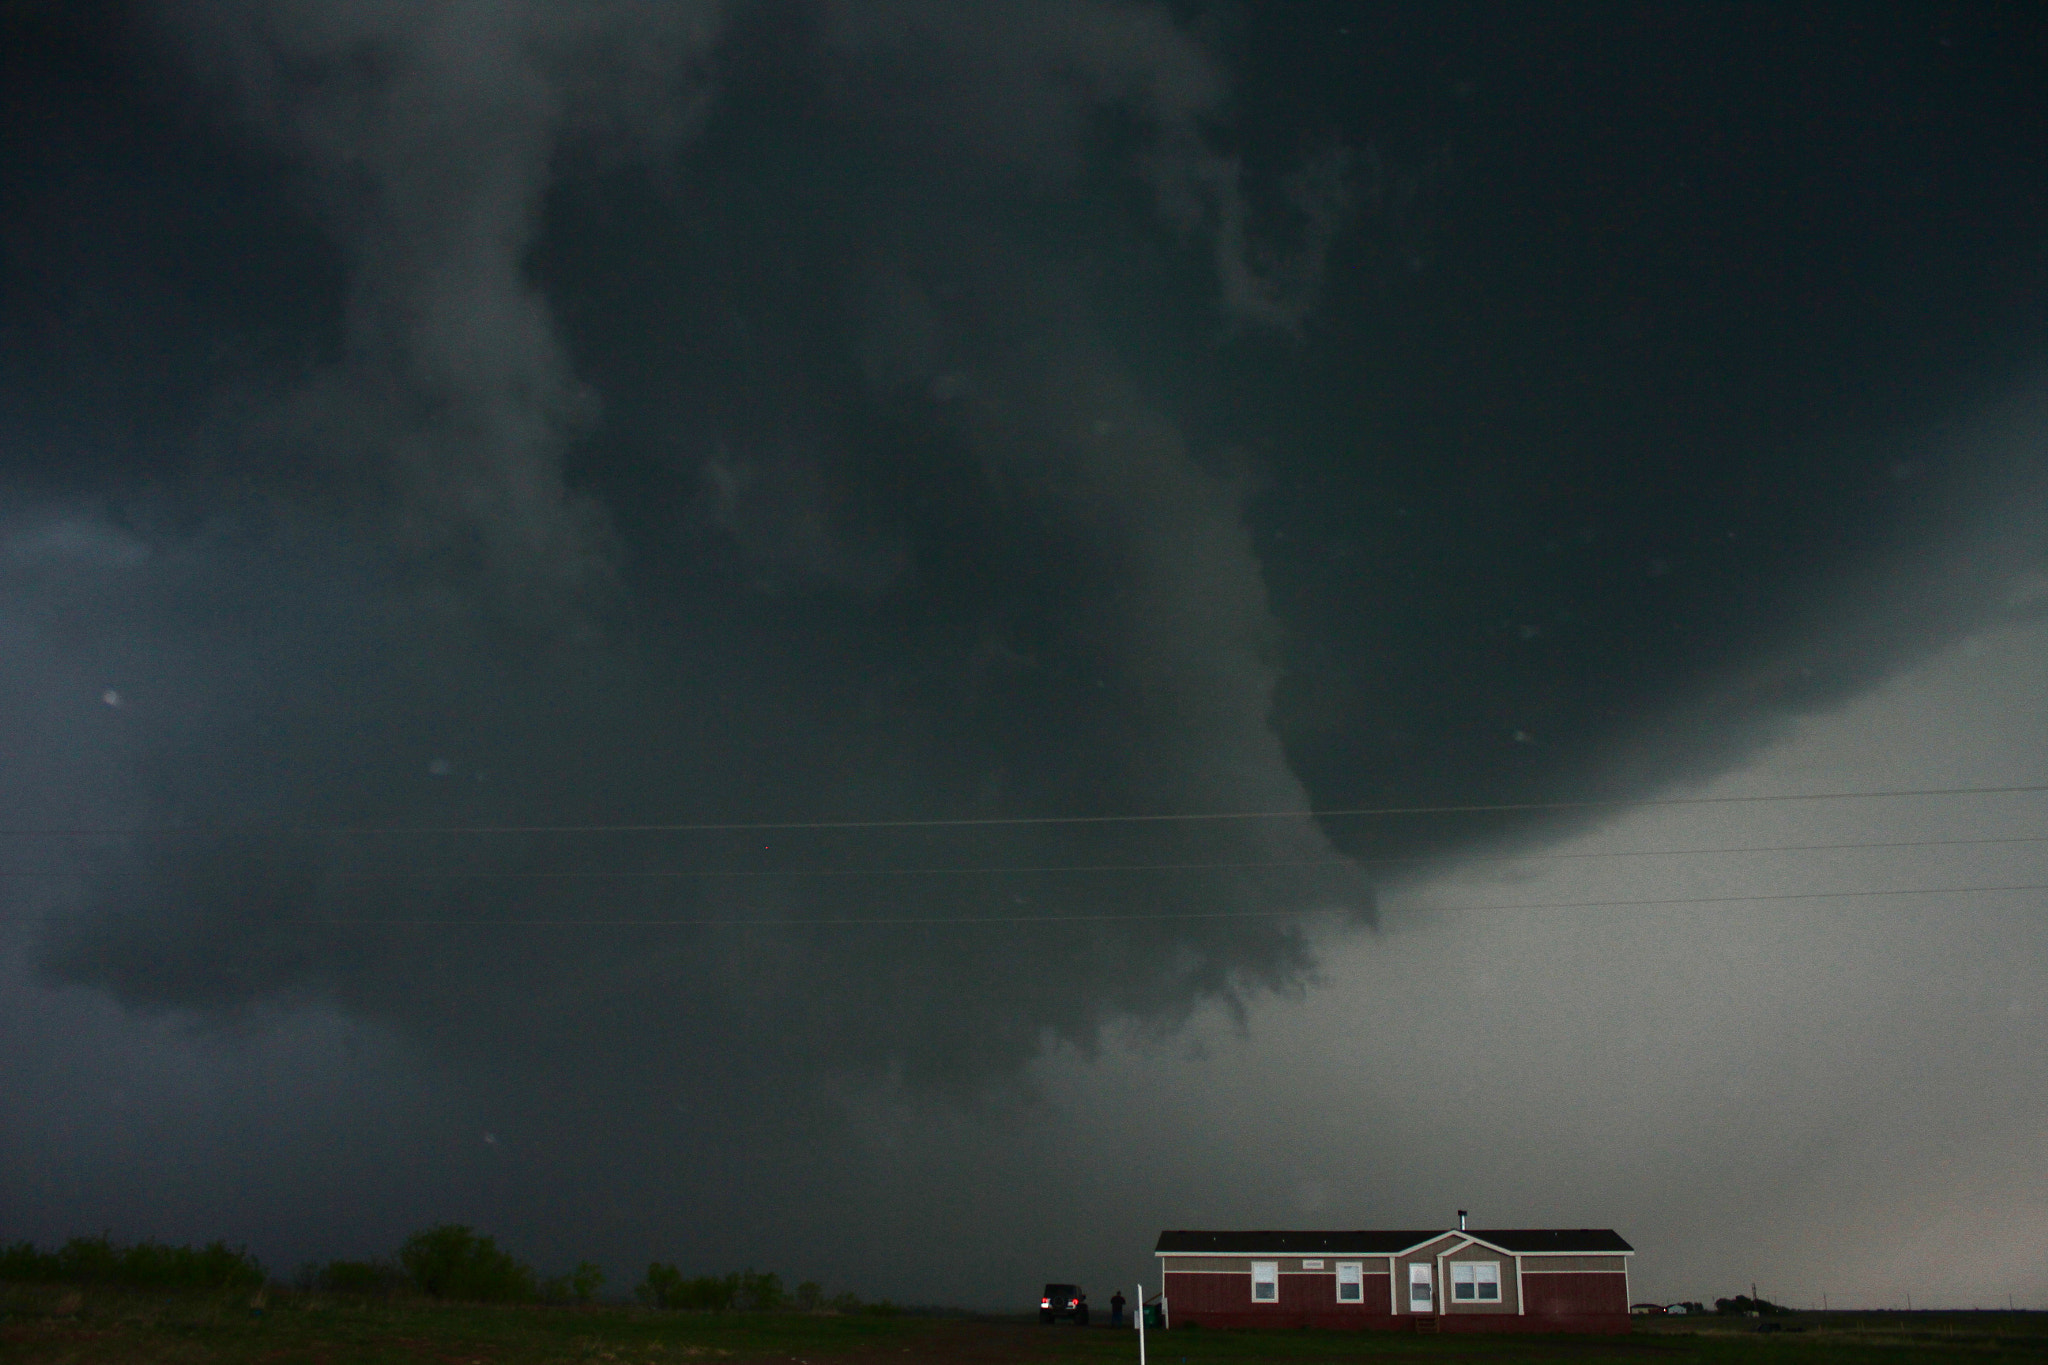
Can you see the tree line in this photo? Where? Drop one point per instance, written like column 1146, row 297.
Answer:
column 142, row 1265
column 451, row 1261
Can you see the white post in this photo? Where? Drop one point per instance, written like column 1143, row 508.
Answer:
column 1141, row 1325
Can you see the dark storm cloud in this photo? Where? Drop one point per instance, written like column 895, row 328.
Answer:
column 431, row 133
column 617, row 413
column 1017, row 82
column 1014, row 591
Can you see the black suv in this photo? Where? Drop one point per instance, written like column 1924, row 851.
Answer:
column 1063, row 1301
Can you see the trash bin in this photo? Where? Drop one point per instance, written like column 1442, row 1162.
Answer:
column 1153, row 1318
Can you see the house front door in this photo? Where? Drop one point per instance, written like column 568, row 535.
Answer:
column 1421, row 1298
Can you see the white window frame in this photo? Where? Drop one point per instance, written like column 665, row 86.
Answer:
column 1475, row 1276
column 1351, row 1276
column 1421, row 1275
column 1266, row 1275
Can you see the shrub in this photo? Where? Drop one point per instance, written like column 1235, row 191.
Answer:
column 452, row 1262
column 578, row 1286
column 20, row 1261
column 761, row 1293
column 666, row 1287
column 663, row 1287
column 810, row 1296
column 144, row 1265
column 88, row 1260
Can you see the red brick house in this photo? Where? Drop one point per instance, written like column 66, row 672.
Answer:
column 1481, row 1280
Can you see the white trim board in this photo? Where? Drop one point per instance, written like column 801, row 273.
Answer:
column 1362, row 1257
column 1469, row 1240
column 1247, row 1270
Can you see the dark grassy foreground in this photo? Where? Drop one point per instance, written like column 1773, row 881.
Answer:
column 52, row 1324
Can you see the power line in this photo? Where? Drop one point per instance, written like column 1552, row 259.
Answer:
column 943, row 920
column 961, row 822
column 1448, row 860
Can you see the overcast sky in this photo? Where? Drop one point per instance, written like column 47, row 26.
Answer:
column 742, row 632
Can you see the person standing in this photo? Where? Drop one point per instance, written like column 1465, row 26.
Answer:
column 1116, row 1309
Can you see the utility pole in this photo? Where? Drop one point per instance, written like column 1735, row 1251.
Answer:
column 1141, row 1325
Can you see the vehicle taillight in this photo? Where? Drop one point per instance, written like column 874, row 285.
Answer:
column 1045, row 1303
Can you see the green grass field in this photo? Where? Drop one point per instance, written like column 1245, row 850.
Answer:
column 55, row 1325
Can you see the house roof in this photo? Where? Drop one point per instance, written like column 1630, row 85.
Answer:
column 1552, row 1239
column 1385, row 1242
column 1291, row 1243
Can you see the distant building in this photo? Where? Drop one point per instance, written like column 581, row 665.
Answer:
column 1481, row 1280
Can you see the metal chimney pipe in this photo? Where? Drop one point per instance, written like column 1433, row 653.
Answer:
column 1461, row 1220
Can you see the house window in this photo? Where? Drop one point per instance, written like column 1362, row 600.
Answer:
column 1419, row 1287
column 1476, row 1281
column 1350, row 1282
column 1265, row 1282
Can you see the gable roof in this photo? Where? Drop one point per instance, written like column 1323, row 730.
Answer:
column 1385, row 1242
column 1293, row 1243
column 1552, row 1239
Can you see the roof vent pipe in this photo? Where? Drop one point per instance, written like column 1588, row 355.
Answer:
column 1461, row 1220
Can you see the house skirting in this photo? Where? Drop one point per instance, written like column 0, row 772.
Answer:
column 1555, row 1301
column 1589, row 1324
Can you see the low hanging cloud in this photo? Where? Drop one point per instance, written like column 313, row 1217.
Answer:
column 1117, row 653
column 430, row 135
column 1018, row 83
